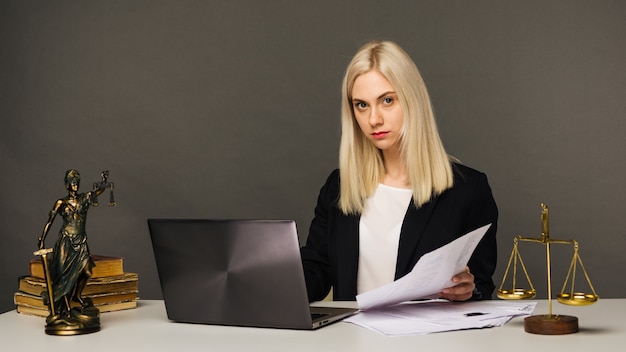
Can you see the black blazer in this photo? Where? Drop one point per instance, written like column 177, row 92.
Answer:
column 331, row 254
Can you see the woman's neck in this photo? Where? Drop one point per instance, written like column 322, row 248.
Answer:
column 396, row 174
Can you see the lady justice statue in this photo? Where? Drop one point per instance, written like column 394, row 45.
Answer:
column 69, row 266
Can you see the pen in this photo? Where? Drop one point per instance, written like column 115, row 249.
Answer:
column 473, row 314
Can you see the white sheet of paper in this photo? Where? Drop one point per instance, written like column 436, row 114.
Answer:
column 431, row 274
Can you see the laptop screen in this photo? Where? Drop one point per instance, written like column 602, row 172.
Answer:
column 231, row 272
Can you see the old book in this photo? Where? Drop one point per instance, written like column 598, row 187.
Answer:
column 127, row 282
column 27, row 299
column 104, row 308
column 105, row 266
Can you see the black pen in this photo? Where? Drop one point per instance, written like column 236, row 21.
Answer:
column 473, row 314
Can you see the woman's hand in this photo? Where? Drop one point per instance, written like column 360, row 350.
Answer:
column 462, row 289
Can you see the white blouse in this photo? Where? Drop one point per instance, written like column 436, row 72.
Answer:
column 379, row 236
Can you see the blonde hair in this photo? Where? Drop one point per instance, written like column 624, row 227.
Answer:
column 360, row 162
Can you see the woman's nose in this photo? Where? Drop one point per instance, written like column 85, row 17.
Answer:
column 375, row 118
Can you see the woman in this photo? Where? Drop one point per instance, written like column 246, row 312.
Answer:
column 397, row 195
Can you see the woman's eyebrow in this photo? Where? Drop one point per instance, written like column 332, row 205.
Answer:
column 391, row 92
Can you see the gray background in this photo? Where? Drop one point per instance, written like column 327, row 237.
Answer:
column 231, row 109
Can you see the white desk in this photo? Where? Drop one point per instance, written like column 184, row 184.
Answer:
column 147, row 329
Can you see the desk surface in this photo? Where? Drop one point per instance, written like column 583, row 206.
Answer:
column 148, row 329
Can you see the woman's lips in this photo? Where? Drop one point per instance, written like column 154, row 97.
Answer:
column 379, row 135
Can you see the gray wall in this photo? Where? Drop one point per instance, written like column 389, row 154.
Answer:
column 231, row 109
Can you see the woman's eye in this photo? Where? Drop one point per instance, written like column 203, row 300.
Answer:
column 388, row 100
column 360, row 105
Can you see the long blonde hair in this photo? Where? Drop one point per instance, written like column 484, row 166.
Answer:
column 360, row 162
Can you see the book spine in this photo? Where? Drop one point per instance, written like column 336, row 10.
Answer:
column 123, row 283
column 104, row 266
column 105, row 308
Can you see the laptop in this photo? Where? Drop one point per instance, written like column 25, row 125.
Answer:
column 235, row 272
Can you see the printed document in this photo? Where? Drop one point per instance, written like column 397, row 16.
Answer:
column 431, row 274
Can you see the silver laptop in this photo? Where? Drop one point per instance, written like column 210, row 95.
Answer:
column 235, row 272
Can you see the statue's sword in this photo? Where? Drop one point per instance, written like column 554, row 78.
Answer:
column 43, row 253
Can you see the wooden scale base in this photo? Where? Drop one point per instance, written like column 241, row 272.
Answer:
column 551, row 324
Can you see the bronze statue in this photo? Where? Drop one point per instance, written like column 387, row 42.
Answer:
column 70, row 263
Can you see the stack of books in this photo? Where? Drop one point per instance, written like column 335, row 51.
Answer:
column 110, row 287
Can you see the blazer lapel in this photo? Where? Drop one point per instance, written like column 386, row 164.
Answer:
column 413, row 227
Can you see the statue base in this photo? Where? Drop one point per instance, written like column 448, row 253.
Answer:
column 551, row 324
column 77, row 321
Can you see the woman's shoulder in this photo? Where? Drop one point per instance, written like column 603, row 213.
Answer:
column 464, row 174
column 333, row 176
column 333, row 179
column 331, row 186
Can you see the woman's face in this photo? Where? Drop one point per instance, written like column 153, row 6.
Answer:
column 377, row 110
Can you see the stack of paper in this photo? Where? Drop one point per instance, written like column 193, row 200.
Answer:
column 425, row 317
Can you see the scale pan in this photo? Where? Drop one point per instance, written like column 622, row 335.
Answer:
column 518, row 293
column 577, row 299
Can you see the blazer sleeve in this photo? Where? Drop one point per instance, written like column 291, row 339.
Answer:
column 315, row 256
column 483, row 261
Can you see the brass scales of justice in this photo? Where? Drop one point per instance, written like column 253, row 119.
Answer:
column 548, row 324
